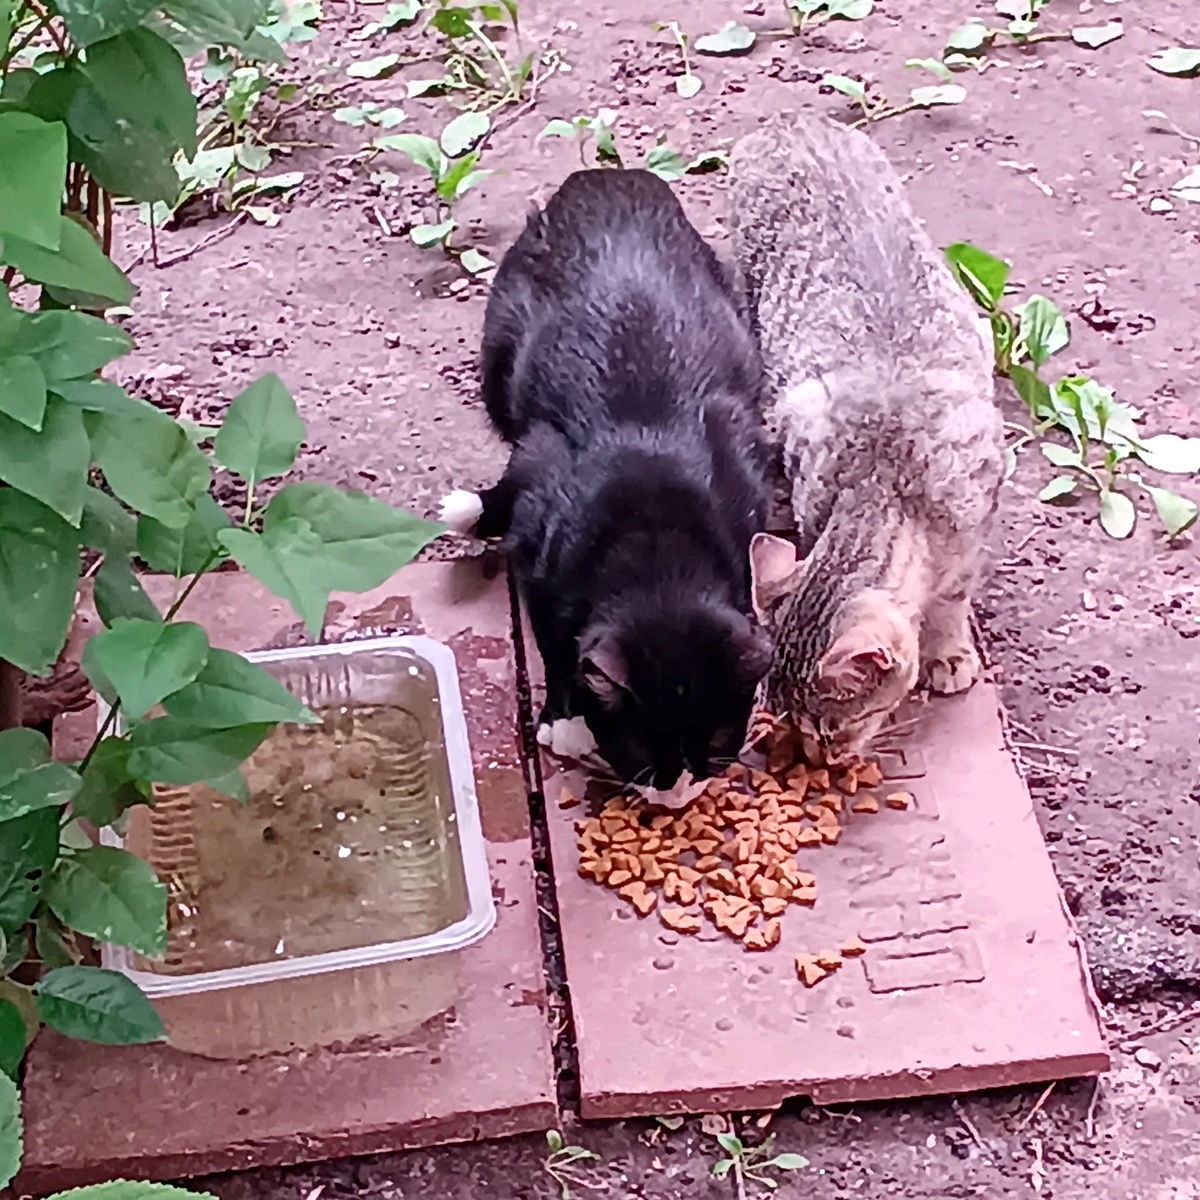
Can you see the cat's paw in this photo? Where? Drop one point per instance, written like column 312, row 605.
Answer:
column 567, row 738
column 953, row 671
column 461, row 510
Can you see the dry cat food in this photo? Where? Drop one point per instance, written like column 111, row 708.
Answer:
column 733, row 857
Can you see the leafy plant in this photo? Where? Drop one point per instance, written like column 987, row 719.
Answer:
column 562, row 1164
column 1177, row 60
column 751, row 1164
column 451, row 161
column 804, row 14
column 1104, row 443
column 972, row 40
column 85, row 467
column 731, row 38
column 688, row 84
column 877, row 107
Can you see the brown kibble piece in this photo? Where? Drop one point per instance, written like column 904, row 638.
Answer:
column 829, row 959
column 679, row 920
column 809, row 970
column 804, row 895
column 686, row 893
column 818, row 781
column 774, row 906
column 762, row 888
column 848, row 782
column 898, row 799
column 659, row 823
column 853, row 947
column 640, row 896
column 625, row 837
column 865, row 804
column 831, row 801
column 710, row 862
column 763, row 939
column 738, row 922
column 869, row 774
column 652, row 871
column 809, row 836
column 830, row 833
column 689, row 875
column 804, row 879
column 724, row 879
column 618, row 879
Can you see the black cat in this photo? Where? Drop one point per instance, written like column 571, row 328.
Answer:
column 617, row 367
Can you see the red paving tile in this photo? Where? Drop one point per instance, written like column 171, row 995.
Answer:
column 972, row 977
column 479, row 1067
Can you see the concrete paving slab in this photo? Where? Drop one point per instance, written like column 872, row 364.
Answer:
column 480, row 1063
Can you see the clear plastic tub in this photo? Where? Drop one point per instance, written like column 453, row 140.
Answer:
column 360, row 851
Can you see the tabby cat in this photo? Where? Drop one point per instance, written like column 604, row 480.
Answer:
column 880, row 393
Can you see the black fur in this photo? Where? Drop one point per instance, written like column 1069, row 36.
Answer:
column 616, row 366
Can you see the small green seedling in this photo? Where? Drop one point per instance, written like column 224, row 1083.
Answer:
column 751, row 1164
column 1104, row 440
column 474, row 61
column 731, row 38
column 687, row 84
column 660, row 160
column 877, row 107
column 804, row 14
column 562, row 1164
column 968, row 45
column 1177, row 61
column 397, row 16
column 369, row 113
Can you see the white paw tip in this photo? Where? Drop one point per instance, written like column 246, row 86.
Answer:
column 461, row 510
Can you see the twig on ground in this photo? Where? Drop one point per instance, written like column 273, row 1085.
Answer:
column 1037, row 1108
column 203, row 244
column 1090, row 1119
column 1163, row 1025
column 1044, row 748
column 969, row 1126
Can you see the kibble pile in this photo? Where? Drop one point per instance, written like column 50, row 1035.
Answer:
column 732, row 857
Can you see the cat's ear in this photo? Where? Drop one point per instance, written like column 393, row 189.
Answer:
column 773, row 565
column 857, row 662
column 603, row 670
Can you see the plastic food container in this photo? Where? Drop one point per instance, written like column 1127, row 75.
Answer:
column 360, row 853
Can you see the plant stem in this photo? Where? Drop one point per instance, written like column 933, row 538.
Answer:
column 10, row 696
column 494, row 51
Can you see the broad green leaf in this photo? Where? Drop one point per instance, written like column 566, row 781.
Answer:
column 95, row 1005
column 1061, row 456
column 102, row 395
column 71, row 345
column 183, row 551
column 854, row 88
column 91, row 21
column 474, row 262
column 945, row 93
column 289, row 558
column 151, row 465
column 731, row 38
column 119, row 594
column 969, row 37
column 50, row 464
column 464, row 132
column 50, row 942
column 423, row 151
column 459, row 177
column 233, row 691
column 39, row 573
column 426, row 236
column 22, row 390
column 1176, row 512
column 721, row 1168
column 730, row 1143
column 1058, row 488
column 262, row 432
column 233, row 785
column 378, row 67
column 934, row 66
column 167, row 750
column 148, row 660
column 1033, row 390
column 1178, row 60
column 1095, row 36
column 21, row 750
column 786, row 1162
column 106, row 525
column 1170, row 453
column 1117, row 514
column 52, row 785
column 14, row 1038
column 850, row 10
column 983, row 275
column 688, row 85
column 364, row 541
column 108, row 789
column 33, row 174
column 28, row 851
column 12, row 1129
column 78, row 264
column 129, row 1189
column 666, row 163
column 110, row 895
column 1043, row 329
column 231, row 24
column 559, row 128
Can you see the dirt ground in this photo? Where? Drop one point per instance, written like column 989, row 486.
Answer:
column 1094, row 640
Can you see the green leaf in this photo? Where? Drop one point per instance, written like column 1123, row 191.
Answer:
column 1033, row 390
column 106, row 525
column 102, row 395
column 474, row 262
column 559, row 128
column 849, row 10
column 52, row 785
column 147, row 660
column 1178, row 60
column 108, row 789
column 111, row 895
column 262, row 432
column 449, row 184
column 95, row 1005
column 854, row 88
column 1176, row 512
column 1061, row 456
column 364, row 541
column 1043, row 329
column 1058, row 488
column 22, row 390
column 721, row 1168
column 378, row 67
column 91, row 21
column 21, row 750
column 731, row 38
column 12, row 1129
column 464, row 132
column 233, row 691
column 931, row 97
column 168, row 750
column 71, row 345
column 934, row 66
column 983, row 275
column 14, row 950
column 786, row 1162
column 289, row 560
column 423, row 151
column 1117, row 514
column 151, row 465
column 78, row 264
column 119, row 594
column 1170, row 453
column 50, row 464
column 666, row 163
column 730, row 1143
column 970, row 37
column 14, row 1038
column 1095, row 36
column 50, row 942
column 39, row 556
column 183, row 551
column 33, row 174
column 688, row 85
column 28, row 852
column 231, row 24
column 233, row 785
column 128, row 1189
